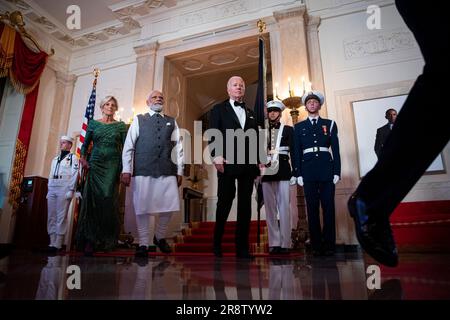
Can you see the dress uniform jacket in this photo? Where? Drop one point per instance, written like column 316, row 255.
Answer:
column 316, row 165
column 286, row 143
column 64, row 172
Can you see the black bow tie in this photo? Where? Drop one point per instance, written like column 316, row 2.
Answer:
column 239, row 104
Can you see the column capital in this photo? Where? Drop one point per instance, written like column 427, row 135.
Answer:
column 146, row 49
column 65, row 79
column 298, row 12
column 312, row 22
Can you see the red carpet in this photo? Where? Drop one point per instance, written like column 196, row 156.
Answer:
column 199, row 238
column 422, row 226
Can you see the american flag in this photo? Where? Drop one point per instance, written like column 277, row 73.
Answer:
column 88, row 116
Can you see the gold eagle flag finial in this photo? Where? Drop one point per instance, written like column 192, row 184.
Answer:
column 261, row 26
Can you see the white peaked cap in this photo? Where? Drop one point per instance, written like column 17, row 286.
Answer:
column 67, row 138
column 313, row 95
column 275, row 105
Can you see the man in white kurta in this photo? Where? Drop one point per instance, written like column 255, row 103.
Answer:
column 153, row 156
column 62, row 182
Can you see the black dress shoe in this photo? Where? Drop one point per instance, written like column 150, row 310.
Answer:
column 162, row 245
column 217, row 252
column 284, row 251
column 141, row 252
column 51, row 250
column 274, row 250
column 88, row 250
column 244, row 255
column 373, row 233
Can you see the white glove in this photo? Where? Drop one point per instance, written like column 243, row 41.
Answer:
column 78, row 195
column 69, row 195
column 293, row 181
column 300, row 181
column 336, row 179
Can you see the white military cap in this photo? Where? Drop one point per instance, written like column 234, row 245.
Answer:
column 67, row 138
column 275, row 105
column 313, row 95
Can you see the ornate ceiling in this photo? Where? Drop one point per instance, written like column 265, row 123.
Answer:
column 101, row 20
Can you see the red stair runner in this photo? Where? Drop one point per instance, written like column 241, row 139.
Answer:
column 199, row 238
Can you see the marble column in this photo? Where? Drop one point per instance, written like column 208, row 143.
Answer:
column 315, row 61
column 289, row 50
column 59, row 123
column 290, row 59
column 145, row 74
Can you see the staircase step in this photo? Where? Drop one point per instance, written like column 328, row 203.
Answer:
column 210, row 224
column 228, row 230
column 208, row 238
column 206, row 247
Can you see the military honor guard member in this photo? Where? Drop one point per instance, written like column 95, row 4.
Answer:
column 276, row 179
column 318, row 170
column 61, row 187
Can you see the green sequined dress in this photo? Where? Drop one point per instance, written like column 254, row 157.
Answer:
column 98, row 221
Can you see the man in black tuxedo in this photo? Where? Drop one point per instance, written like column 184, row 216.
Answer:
column 232, row 116
column 415, row 141
column 384, row 131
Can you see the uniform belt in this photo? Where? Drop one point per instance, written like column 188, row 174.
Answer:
column 315, row 149
column 279, row 152
column 67, row 177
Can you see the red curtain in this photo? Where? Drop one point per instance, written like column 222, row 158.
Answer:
column 27, row 65
column 24, row 72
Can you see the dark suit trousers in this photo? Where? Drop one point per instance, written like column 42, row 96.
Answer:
column 226, row 193
column 321, row 193
column 415, row 140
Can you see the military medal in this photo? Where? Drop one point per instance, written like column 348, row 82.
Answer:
column 324, row 128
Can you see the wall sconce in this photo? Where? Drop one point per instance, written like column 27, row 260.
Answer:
column 294, row 100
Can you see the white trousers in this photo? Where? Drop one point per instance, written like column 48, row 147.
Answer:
column 276, row 201
column 50, row 279
column 145, row 224
column 281, row 282
column 58, row 207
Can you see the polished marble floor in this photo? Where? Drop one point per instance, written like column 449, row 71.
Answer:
column 345, row 276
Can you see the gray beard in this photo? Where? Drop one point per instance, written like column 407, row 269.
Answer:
column 156, row 107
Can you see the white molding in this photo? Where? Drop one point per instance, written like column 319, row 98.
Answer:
column 337, row 9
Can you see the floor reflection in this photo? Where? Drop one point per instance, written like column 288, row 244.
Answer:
column 34, row 276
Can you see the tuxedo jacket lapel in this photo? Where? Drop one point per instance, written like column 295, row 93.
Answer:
column 230, row 111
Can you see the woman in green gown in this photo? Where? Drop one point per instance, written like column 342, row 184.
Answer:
column 98, row 222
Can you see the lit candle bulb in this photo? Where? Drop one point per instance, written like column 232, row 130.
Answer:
column 303, row 84
column 289, row 85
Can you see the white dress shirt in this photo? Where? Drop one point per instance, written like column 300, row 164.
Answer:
column 240, row 113
column 311, row 119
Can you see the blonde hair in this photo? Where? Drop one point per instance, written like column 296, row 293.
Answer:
column 107, row 99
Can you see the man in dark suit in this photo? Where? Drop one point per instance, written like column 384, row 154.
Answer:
column 400, row 164
column 384, row 131
column 235, row 159
column 318, row 171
